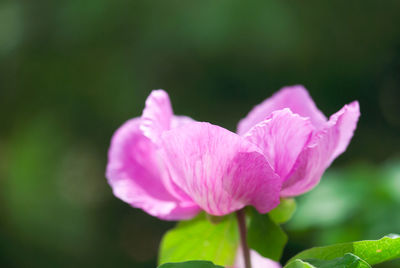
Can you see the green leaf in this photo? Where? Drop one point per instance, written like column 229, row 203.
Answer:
column 198, row 239
column 371, row 251
column 265, row 236
column 190, row 264
column 347, row 261
column 284, row 211
column 299, row 264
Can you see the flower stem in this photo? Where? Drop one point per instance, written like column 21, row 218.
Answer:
column 241, row 218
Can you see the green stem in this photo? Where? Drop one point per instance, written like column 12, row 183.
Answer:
column 241, row 218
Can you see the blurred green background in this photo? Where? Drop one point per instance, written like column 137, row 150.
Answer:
column 73, row 71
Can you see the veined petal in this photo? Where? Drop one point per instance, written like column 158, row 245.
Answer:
column 137, row 175
column 257, row 261
column 326, row 145
column 219, row 170
column 157, row 115
column 282, row 137
column 294, row 97
column 348, row 117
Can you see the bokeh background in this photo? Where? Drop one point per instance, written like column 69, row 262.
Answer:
column 73, row 71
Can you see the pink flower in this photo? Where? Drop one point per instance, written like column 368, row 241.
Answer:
column 296, row 138
column 172, row 167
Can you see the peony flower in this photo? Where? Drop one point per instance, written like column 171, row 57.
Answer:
column 296, row 138
column 172, row 167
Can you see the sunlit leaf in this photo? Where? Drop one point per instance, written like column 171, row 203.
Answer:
column 299, row 264
column 347, row 261
column 265, row 236
column 190, row 264
column 198, row 239
column 371, row 251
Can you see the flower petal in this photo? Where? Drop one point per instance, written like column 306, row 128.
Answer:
column 157, row 115
column 294, row 97
column 219, row 170
column 325, row 146
column 348, row 117
column 282, row 137
column 180, row 120
column 257, row 261
column 137, row 175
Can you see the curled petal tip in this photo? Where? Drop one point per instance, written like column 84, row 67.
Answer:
column 157, row 115
column 355, row 105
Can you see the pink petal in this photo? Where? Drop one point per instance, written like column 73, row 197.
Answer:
column 282, row 137
column 138, row 176
column 157, row 115
column 219, row 170
column 326, row 145
column 294, row 97
column 348, row 117
column 257, row 261
column 180, row 120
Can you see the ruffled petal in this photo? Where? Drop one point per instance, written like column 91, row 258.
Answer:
column 219, row 170
column 138, row 177
column 282, row 137
column 325, row 146
column 348, row 117
column 257, row 261
column 294, row 97
column 157, row 115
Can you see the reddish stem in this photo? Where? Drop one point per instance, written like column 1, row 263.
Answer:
column 241, row 218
